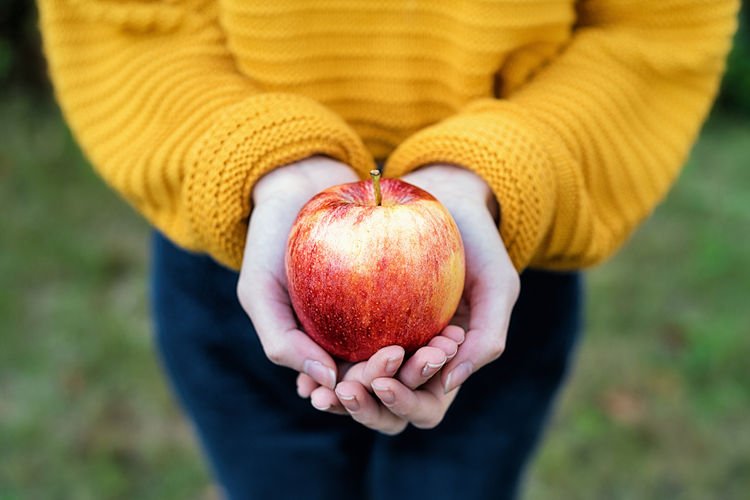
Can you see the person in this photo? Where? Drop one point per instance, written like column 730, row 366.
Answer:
column 549, row 130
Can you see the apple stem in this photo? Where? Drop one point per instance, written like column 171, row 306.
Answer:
column 376, row 185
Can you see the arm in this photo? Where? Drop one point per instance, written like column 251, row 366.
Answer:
column 152, row 93
column 262, row 290
column 580, row 154
column 576, row 158
column 387, row 402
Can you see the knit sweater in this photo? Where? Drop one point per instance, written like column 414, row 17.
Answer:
column 578, row 115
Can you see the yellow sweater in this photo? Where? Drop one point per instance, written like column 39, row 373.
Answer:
column 579, row 115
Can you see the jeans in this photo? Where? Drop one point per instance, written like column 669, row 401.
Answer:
column 263, row 441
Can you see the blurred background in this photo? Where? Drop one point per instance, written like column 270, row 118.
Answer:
column 658, row 405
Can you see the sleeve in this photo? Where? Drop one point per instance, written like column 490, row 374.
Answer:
column 153, row 95
column 583, row 151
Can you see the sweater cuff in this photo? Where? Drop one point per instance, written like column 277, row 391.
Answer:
column 247, row 141
column 492, row 139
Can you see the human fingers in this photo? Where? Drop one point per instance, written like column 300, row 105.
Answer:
column 423, row 408
column 384, row 363
column 386, row 360
column 324, row 399
column 449, row 347
column 454, row 333
column 366, row 410
column 428, row 360
column 306, row 385
column 421, row 366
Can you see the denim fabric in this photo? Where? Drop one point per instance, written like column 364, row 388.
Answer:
column 263, row 441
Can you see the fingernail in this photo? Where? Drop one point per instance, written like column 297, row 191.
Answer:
column 392, row 364
column 321, row 373
column 458, row 376
column 452, row 355
column 349, row 401
column 321, row 408
column 386, row 395
column 431, row 369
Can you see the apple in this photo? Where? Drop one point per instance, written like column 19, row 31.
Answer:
column 374, row 263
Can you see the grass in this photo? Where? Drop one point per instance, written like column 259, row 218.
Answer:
column 657, row 406
column 84, row 412
column 659, row 402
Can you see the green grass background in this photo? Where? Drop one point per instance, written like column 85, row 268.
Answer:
column 658, row 405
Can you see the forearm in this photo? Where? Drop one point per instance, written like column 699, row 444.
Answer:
column 581, row 153
column 154, row 96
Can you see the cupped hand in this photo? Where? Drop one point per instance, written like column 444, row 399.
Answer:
column 356, row 379
column 262, row 287
column 263, row 293
column 492, row 283
column 490, row 292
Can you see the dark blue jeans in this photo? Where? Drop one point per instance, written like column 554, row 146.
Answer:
column 263, row 441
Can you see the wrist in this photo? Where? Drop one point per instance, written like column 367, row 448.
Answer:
column 302, row 179
column 455, row 186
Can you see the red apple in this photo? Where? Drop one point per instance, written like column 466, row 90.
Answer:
column 366, row 272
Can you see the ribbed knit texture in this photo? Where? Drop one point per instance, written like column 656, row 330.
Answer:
column 579, row 116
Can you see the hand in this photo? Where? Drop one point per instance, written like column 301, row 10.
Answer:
column 491, row 289
column 262, row 287
column 357, row 379
column 492, row 283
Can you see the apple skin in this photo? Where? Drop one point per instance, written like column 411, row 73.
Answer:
column 363, row 276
